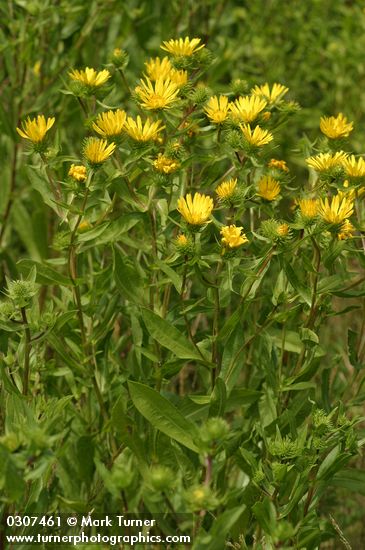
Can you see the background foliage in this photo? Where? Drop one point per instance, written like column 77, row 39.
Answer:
column 86, row 438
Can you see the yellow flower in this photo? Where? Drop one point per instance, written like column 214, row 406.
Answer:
column 283, row 230
column 197, row 210
column 158, row 68
column 110, row 123
column 347, row 230
column 165, row 165
column 268, row 188
column 84, row 226
column 276, row 93
column 77, row 172
column 97, row 151
column 279, row 164
column 355, row 167
column 35, row 129
column 326, row 161
column 247, row 108
column 256, row 137
column 179, row 78
column 335, row 127
column 226, row 189
column 182, row 47
column 37, row 68
column 308, row 207
column 217, row 109
column 90, row 77
column 232, row 236
column 181, row 240
column 143, row 132
column 337, row 210
column 161, row 95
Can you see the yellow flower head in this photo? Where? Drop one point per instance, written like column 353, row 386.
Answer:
column 161, row 95
column 90, row 77
column 335, row 127
column 355, row 167
column 336, row 210
column 35, row 129
column 217, row 109
column 97, row 151
column 247, row 108
column 165, row 165
column 77, row 172
column 182, row 240
column 180, row 78
column 182, row 47
column 149, row 131
column 232, row 236
column 84, row 226
column 347, row 230
column 283, row 230
column 326, row 161
column 268, row 188
column 158, row 68
column 276, row 93
column 257, row 137
column 308, row 207
column 197, row 210
column 279, row 164
column 226, row 189
column 110, row 123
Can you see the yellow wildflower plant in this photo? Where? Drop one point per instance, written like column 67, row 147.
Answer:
column 346, row 231
column 165, row 165
column 337, row 209
column 35, row 129
column 184, row 47
column 354, row 167
column 326, row 161
column 268, row 188
column 195, row 210
column 273, row 95
column 78, row 172
column 158, row 68
column 247, row 108
column 139, row 131
column 226, row 189
column 308, row 208
column 233, row 236
column 110, row 124
column 335, row 127
column 217, row 109
column 97, row 151
column 161, row 94
column 256, row 137
column 182, row 240
column 279, row 165
column 90, row 77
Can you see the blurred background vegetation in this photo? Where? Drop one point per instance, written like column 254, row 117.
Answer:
column 316, row 48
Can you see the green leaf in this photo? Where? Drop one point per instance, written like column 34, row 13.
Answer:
column 169, row 337
column 353, row 480
column 265, row 515
column 11, row 479
column 218, row 399
column 23, row 226
column 45, row 275
column 128, row 279
column 215, row 539
column 163, row 415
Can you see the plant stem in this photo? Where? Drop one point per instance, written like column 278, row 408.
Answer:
column 27, row 348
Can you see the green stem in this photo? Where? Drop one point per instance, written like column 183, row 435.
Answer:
column 27, row 349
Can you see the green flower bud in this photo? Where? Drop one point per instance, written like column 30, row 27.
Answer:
column 21, row 292
column 200, row 497
column 214, row 429
column 161, row 478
